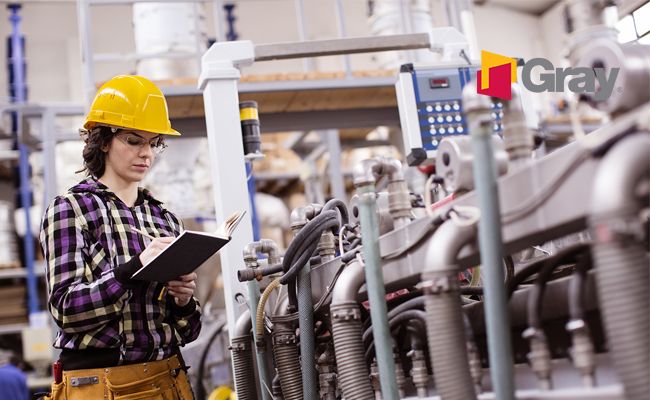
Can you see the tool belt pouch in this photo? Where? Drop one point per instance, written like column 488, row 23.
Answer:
column 160, row 380
column 79, row 385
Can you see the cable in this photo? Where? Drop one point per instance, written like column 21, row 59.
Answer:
column 472, row 215
column 577, row 287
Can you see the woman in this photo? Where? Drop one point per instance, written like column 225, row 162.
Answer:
column 119, row 337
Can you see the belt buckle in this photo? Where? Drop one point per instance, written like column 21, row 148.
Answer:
column 84, row 380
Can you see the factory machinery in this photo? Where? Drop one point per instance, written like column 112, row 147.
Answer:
column 509, row 277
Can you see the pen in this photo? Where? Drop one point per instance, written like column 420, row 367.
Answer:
column 163, row 292
column 143, row 233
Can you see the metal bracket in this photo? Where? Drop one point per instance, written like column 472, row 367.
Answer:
column 85, row 380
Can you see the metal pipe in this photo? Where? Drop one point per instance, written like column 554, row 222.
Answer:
column 445, row 327
column 253, row 301
column 264, row 246
column 285, row 351
column 340, row 22
column 346, row 332
column 375, row 284
column 621, row 259
column 332, row 47
column 240, row 346
column 250, row 251
column 478, row 108
column 517, row 138
column 308, row 63
column 20, row 90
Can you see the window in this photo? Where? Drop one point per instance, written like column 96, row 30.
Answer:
column 642, row 20
column 636, row 26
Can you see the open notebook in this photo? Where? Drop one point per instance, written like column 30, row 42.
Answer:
column 188, row 251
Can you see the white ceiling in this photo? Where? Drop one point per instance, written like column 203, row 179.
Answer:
column 536, row 7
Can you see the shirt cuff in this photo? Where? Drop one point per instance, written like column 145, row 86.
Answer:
column 184, row 311
column 124, row 272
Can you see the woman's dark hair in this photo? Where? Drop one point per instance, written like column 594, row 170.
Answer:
column 94, row 157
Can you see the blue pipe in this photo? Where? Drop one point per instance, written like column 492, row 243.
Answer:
column 376, row 291
column 250, row 181
column 231, row 35
column 19, row 97
column 491, row 247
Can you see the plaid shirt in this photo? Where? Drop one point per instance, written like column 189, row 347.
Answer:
column 85, row 235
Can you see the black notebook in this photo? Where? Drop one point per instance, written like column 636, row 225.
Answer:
column 187, row 252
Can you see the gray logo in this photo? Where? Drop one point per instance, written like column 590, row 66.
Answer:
column 580, row 79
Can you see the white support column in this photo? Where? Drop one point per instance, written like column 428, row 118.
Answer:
column 218, row 80
column 49, row 139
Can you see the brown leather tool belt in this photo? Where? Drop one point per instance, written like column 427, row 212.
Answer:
column 157, row 380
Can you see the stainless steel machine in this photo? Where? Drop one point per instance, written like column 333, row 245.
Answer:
column 459, row 302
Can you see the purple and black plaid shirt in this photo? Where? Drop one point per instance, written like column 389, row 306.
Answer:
column 85, row 235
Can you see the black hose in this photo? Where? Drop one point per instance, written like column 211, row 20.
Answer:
column 417, row 302
column 341, row 207
column 510, row 268
column 304, row 244
column 200, row 389
column 297, row 244
column 416, row 332
column 404, row 316
column 577, row 287
column 568, row 255
column 525, row 273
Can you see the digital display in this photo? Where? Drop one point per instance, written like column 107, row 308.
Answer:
column 439, row 83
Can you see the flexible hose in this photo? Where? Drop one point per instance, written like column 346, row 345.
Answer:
column 350, row 362
column 523, row 274
column 259, row 313
column 406, row 316
column 568, row 255
column 621, row 260
column 307, row 337
column 447, row 344
column 242, row 360
column 312, row 230
column 623, row 277
column 341, row 207
column 287, row 358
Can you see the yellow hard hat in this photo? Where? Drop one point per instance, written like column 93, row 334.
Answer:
column 132, row 102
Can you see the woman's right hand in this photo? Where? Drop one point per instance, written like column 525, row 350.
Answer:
column 154, row 248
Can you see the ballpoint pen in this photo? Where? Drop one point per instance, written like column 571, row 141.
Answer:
column 163, row 292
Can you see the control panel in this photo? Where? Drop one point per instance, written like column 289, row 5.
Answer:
column 431, row 108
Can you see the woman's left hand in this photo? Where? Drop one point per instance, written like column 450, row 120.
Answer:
column 182, row 289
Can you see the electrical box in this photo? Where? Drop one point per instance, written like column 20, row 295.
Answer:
column 431, row 108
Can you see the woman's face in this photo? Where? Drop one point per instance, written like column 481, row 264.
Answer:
column 131, row 154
